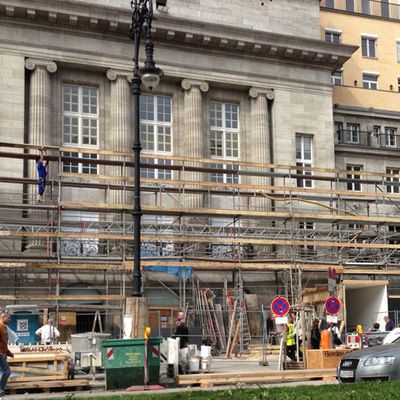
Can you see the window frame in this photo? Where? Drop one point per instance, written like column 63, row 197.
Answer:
column 302, row 161
column 224, row 130
column 353, row 133
column 368, row 83
column 156, row 124
column 392, row 188
column 368, row 46
column 331, row 35
column 354, row 186
column 337, row 80
column 389, row 135
column 80, row 115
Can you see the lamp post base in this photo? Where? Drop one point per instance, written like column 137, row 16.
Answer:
column 138, row 309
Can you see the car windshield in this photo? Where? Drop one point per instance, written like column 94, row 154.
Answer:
column 397, row 340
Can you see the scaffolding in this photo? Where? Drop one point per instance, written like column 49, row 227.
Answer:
column 84, row 225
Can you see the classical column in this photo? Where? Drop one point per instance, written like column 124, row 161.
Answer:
column 39, row 121
column 40, row 100
column 194, row 134
column 121, row 124
column 260, row 137
column 260, row 153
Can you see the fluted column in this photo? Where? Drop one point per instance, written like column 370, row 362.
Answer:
column 40, row 100
column 121, row 123
column 260, row 137
column 39, row 121
column 194, row 135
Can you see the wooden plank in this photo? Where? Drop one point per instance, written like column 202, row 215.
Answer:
column 243, row 377
column 359, row 282
column 48, row 384
column 200, row 239
column 269, row 215
column 33, row 297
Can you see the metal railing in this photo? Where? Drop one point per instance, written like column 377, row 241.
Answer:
column 382, row 140
column 375, row 8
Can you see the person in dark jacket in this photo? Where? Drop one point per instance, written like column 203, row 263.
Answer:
column 315, row 335
column 389, row 324
column 181, row 332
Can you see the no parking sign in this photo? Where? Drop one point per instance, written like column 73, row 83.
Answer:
column 332, row 305
column 280, row 306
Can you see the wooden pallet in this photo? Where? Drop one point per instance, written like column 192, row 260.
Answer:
column 252, row 377
column 46, row 386
column 38, row 367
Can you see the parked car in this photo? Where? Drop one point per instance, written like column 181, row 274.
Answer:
column 374, row 363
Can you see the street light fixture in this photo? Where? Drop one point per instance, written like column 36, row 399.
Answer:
column 149, row 75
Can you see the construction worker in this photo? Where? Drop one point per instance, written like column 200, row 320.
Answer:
column 290, row 340
column 181, row 332
column 48, row 333
column 42, row 169
column 4, row 352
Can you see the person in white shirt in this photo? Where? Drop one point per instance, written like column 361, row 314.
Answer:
column 48, row 333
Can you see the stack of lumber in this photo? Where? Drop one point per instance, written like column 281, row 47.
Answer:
column 44, row 371
column 253, row 377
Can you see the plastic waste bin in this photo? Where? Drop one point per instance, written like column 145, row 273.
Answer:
column 124, row 362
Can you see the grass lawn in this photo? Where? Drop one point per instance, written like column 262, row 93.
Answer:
column 359, row 391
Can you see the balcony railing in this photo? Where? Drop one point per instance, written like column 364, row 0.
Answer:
column 382, row 9
column 382, row 140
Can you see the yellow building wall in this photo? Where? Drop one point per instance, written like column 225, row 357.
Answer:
column 385, row 63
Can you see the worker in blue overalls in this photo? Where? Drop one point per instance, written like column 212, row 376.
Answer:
column 42, row 169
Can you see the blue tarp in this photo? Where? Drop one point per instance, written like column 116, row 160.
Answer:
column 180, row 272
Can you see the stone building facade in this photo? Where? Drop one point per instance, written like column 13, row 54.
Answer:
column 241, row 83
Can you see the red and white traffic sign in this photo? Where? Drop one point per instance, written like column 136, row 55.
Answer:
column 280, row 306
column 332, row 305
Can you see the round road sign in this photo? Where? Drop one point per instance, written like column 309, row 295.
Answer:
column 280, row 306
column 332, row 305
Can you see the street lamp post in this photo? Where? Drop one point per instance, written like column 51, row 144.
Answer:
column 149, row 75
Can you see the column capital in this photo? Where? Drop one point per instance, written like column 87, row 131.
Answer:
column 254, row 92
column 113, row 74
column 32, row 63
column 187, row 84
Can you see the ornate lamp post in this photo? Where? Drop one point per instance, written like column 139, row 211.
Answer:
column 148, row 75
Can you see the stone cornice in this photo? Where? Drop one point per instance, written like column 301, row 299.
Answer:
column 180, row 32
column 32, row 63
column 188, row 83
column 113, row 74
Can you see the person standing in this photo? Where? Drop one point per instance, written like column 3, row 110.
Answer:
column 290, row 340
column 42, row 169
column 181, row 332
column 48, row 333
column 315, row 335
column 4, row 352
column 389, row 324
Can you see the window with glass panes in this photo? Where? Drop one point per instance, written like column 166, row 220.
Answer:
column 354, row 185
column 338, row 130
column 353, row 133
column 332, row 37
column 304, row 159
column 80, row 126
column 336, row 78
column 368, row 46
column 389, row 137
column 156, row 134
column 224, row 139
column 370, row 81
column 392, row 182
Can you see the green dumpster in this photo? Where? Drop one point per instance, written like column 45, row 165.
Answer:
column 123, row 362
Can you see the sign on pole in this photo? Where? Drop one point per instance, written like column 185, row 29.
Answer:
column 280, row 306
column 332, row 305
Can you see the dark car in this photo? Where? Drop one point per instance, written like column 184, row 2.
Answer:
column 375, row 363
